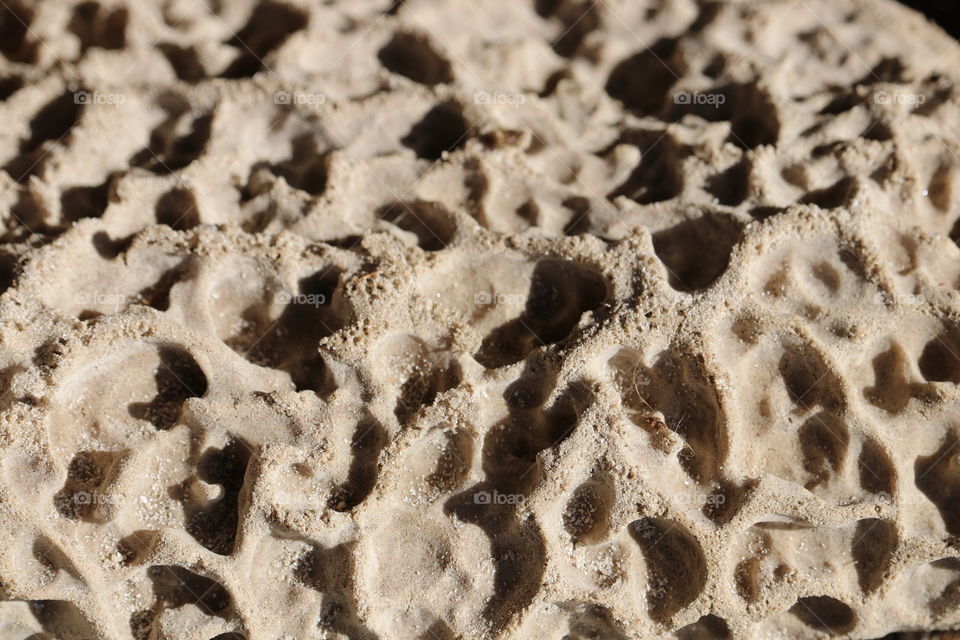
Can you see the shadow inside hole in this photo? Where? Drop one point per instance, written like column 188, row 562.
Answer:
column 560, row 293
column 175, row 587
column 658, row 176
column 177, row 208
column 77, row 203
column 643, row 81
column 430, row 222
column 177, row 141
column 444, row 128
column 290, row 343
column 412, row 56
column 9, row 85
column 269, row 26
column 49, row 126
column 15, row 43
column 368, row 440
column 178, row 377
column 185, row 62
column 306, row 168
column 214, row 524
column 824, row 613
column 96, row 26
column 696, row 252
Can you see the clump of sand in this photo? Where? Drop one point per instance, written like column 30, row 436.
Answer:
column 435, row 319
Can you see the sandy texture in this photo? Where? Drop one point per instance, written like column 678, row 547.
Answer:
column 478, row 319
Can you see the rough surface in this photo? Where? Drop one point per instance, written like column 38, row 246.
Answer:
column 441, row 319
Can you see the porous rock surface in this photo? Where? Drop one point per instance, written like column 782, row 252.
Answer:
column 441, row 319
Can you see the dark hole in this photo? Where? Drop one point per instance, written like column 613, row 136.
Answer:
column 412, row 56
column 443, row 129
column 269, row 26
column 642, row 81
column 77, row 203
column 177, row 209
column 185, row 62
column 9, row 86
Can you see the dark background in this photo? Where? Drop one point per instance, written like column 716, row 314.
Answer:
column 946, row 13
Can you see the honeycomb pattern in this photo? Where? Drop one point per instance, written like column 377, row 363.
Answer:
column 415, row 319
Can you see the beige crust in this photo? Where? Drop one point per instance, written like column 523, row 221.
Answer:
column 320, row 320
